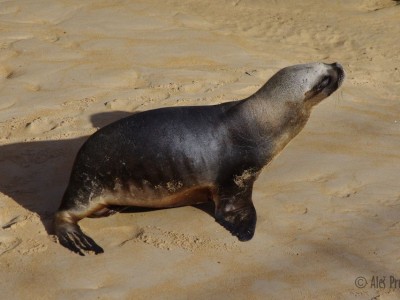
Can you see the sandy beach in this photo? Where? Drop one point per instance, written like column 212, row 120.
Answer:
column 328, row 206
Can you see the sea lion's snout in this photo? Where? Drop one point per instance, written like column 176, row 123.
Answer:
column 339, row 73
column 335, row 78
column 328, row 78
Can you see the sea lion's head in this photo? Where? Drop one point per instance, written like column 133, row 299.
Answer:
column 307, row 83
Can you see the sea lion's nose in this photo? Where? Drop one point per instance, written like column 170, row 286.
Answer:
column 337, row 66
column 339, row 72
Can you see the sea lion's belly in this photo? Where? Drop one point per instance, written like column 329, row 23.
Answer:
column 170, row 194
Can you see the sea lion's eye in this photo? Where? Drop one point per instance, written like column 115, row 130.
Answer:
column 324, row 83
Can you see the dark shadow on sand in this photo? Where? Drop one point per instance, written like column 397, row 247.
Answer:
column 35, row 174
column 207, row 207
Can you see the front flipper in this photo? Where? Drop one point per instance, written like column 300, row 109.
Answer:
column 71, row 236
column 235, row 211
column 240, row 222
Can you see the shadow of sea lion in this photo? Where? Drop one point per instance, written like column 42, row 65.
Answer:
column 35, row 174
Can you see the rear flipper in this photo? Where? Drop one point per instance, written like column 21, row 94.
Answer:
column 71, row 236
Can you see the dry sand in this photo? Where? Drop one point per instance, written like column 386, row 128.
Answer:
column 328, row 206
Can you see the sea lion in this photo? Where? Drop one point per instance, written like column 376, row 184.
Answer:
column 178, row 156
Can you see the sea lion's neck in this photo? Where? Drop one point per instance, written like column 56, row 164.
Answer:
column 272, row 119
